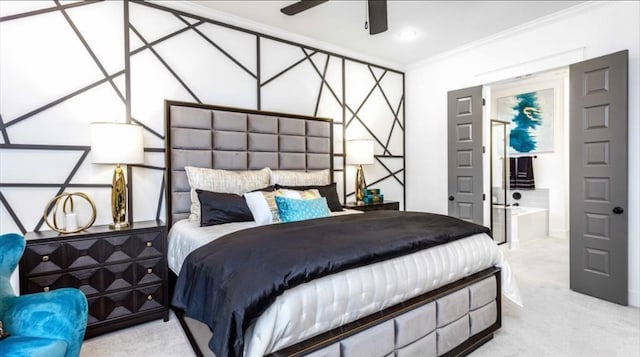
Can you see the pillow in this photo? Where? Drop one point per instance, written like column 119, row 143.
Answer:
column 269, row 188
column 299, row 178
column 328, row 191
column 262, row 204
column 222, row 181
column 292, row 209
column 218, row 208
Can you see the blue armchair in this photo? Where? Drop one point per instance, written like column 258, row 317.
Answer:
column 44, row 324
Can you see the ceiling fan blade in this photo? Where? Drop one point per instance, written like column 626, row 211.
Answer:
column 300, row 6
column 377, row 16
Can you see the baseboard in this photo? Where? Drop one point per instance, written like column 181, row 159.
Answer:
column 559, row 233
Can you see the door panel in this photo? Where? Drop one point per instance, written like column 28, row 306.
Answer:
column 465, row 154
column 598, row 251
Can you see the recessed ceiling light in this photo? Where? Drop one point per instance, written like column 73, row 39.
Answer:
column 408, row 35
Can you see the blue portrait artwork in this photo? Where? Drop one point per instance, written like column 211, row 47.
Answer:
column 531, row 116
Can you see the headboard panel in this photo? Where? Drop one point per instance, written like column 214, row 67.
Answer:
column 238, row 139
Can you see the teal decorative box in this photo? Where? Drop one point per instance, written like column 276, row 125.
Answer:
column 372, row 192
column 372, row 196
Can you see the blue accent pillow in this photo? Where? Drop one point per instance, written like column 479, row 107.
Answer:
column 293, row 209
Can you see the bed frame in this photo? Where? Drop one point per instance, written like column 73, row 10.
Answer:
column 450, row 321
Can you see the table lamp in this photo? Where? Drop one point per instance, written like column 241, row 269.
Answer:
column 117, row 143
column 360, row 152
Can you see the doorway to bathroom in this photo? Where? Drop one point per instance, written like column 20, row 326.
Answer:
column 529, row 157
column 596, row 100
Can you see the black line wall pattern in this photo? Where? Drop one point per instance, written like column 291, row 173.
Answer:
column 65, row 65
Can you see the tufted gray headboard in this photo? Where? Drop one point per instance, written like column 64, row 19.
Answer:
column 238, row 139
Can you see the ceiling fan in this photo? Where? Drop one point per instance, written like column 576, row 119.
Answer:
column 377, row 13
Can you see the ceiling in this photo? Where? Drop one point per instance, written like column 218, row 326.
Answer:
column 439, row 26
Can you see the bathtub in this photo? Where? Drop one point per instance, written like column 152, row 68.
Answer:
column 523, row 223
column 526, row 223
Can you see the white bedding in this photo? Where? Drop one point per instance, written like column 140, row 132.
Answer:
column 326, row 303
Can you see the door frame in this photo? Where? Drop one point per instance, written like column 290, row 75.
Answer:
column 569, row 119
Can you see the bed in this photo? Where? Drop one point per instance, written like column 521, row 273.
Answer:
column 444, row 300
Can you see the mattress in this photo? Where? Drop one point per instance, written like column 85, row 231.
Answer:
column 326, row 303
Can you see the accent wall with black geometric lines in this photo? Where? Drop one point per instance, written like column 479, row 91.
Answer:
column 66, row 64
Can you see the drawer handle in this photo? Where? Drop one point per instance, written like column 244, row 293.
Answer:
column 45, row 258
column 149, row 244
column 149, row 271
column 46, row 289
column 149, row 297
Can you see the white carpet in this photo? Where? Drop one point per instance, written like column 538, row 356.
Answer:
column 555, row 321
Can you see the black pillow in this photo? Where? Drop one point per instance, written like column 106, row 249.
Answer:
column 329, row 192
column 269, row 188
column 218, row 208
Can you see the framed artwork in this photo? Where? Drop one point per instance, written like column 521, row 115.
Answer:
column 532, row 117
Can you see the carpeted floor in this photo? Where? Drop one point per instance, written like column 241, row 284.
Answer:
column 555, row 321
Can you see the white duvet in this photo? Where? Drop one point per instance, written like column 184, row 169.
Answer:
column 326, row 303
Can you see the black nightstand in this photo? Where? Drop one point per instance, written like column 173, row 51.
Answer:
column 123, row 272
column 377, row 206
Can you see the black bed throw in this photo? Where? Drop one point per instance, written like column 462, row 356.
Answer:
column 229, row 282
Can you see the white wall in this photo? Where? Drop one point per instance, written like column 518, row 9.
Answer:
column 583, row 32
column 44, row 65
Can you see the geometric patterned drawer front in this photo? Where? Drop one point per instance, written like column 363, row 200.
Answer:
column 87, row 280
column 149, row 271
column 44, row 258
column 150, row 297
column 148, row 245
column 114, row 305
column 101, row 279
column 47, row 258
column 132, row 246
column 118, row 276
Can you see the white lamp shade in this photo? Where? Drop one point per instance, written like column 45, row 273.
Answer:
column 116, row 143
column 360, row 152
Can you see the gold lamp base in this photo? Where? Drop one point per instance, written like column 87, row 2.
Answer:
column 117, row 226
column 118, row 200
column 361, row 185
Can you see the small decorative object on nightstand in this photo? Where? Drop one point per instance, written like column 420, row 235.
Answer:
column 122, row 272
column 374, row 206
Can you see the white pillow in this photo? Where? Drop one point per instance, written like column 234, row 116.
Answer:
column 300, row 178
column 262, row 204
column 222, row 181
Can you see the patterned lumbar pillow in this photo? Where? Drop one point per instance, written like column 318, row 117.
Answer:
column 299, row 178
column 293, row 209
column 222, row 181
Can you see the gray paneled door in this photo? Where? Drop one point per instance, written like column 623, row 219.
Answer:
column 598, row 252
column 465, row 154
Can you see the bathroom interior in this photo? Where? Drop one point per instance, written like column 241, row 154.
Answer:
column 528, row 179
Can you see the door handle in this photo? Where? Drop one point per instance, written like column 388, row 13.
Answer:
column 451, row 198
column 618, row 210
